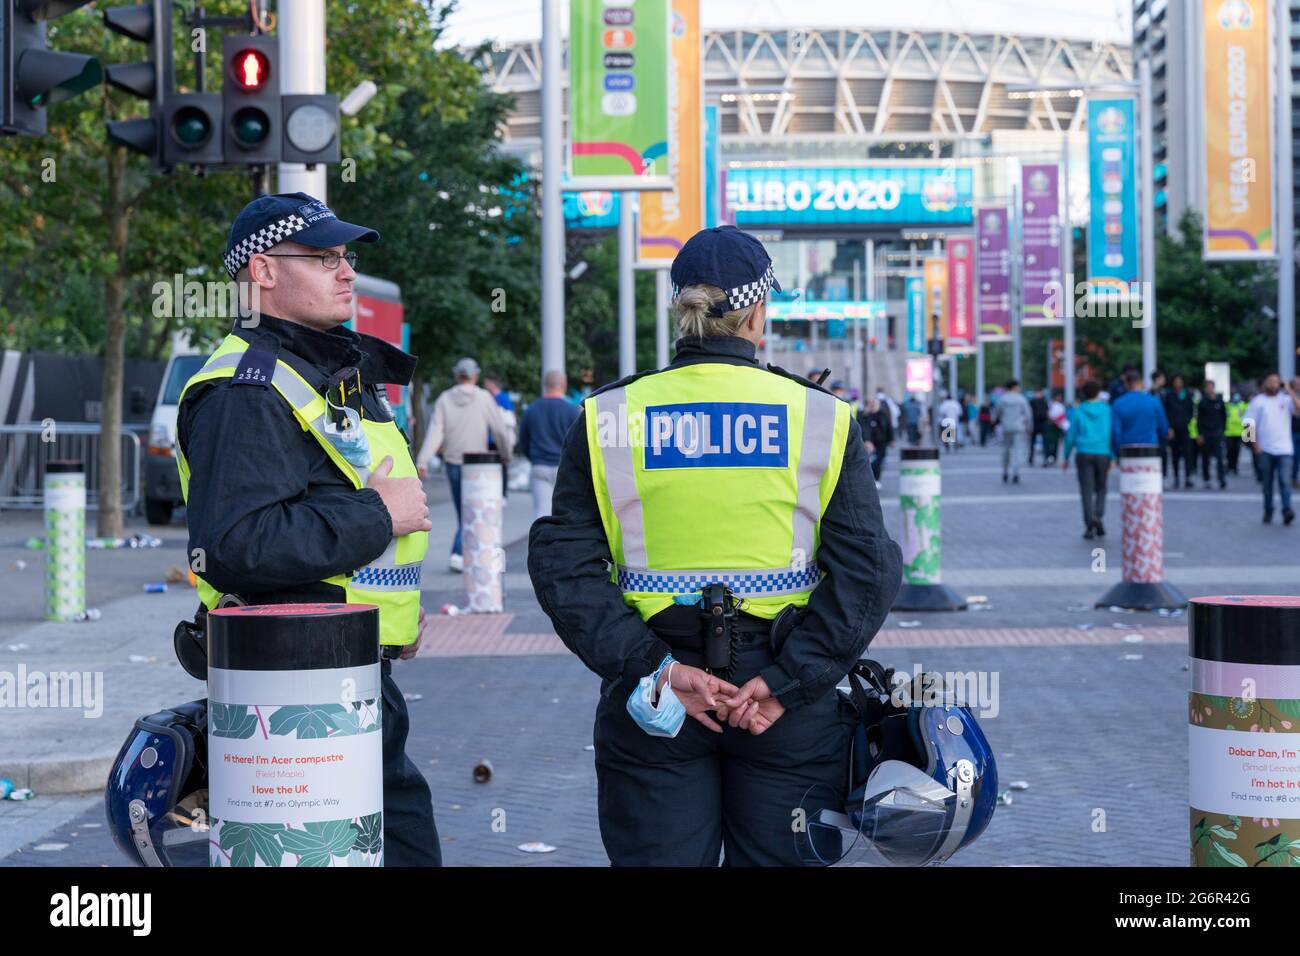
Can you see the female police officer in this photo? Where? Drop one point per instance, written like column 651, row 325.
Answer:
column 716, row 550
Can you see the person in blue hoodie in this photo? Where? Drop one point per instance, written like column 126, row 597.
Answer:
column 1089, row 435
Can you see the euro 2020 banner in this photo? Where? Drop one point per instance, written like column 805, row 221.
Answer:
column 618, row 92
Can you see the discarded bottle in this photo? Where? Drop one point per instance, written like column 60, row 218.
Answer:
column 156, row 587
column 483, row 771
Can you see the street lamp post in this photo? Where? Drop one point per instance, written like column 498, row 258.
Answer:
column 552, row 201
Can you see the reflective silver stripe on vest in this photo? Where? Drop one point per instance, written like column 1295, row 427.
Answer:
column 620, row 477
column 749, row 582
column 299, row 393
column 385, row 574
column 293, row 388
column 814, row 457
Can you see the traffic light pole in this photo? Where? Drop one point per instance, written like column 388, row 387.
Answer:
column 302, row 62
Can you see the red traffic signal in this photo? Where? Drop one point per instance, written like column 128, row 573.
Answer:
column 250, row 69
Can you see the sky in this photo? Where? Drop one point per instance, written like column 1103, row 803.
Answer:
column 509, row 21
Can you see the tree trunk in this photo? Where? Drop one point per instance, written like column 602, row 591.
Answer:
column 110, row 521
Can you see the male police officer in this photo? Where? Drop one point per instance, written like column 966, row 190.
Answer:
column 715, row 550
column 299, row 485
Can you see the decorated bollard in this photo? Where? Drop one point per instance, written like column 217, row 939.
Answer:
column 481, row 503
column 918, row 482
column 65, row 540
column 295, row 742
column 1141, row 496
column 1244, row 730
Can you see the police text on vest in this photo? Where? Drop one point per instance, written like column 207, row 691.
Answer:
column 716, row 435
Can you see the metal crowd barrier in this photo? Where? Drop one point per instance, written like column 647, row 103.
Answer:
column 26, row 447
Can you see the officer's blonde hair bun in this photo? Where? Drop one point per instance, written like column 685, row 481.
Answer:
column 693, row 319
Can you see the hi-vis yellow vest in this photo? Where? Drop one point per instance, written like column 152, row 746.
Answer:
column 715, row 473
column 392, row 581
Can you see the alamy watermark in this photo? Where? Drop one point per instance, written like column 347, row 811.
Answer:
column 183, row 298
column 66, row 690
column 1100, row 299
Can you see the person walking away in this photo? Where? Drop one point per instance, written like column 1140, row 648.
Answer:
column 950, row 423
column 1016, row 418
column 1158, row 390
column 1178, row 409
column 1211, row 421
column 986, row 422
column 1089, row 436
column 1136, row 417
column 877, row 435
column 911, row 413
column 463, row 418
column 1269, row 417
column 892, row 406
column 1038, row 406
column 1058, row 422
column 1236, row 410
column 542, row 428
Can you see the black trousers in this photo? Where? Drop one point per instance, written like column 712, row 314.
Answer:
column 1092, row 486
column 1040, row 428
column 681, row 801
column 1179, row 455
column 1234, row 452
column 1213, row 448
column 410, row 836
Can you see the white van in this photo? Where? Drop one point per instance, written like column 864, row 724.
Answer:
column 162, row 483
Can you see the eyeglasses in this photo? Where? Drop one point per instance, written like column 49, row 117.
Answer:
column 330, row 260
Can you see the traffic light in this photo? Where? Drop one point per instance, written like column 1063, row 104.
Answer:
column 191, row 125
column 311, row 128
column 250, row 94
column 152, row 79
column 33, row 77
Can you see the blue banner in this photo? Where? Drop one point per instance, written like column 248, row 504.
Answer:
column 915, row 314
column 1112, row 225
column 712, row 168
column 590, row 210
column 896, row 194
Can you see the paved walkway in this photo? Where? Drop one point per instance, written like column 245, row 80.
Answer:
column 1091, row 702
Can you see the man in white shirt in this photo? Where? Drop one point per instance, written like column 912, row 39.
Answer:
column 1268, row 420
column 950, row 416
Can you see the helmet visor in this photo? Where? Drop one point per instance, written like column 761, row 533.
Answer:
column 901, row 819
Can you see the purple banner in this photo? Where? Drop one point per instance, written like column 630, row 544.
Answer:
column 1042, row 279
column 994, row 271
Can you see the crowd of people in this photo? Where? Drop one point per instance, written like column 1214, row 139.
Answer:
column 1192, row 427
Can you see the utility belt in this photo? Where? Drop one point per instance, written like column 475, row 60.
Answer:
column 716, row 628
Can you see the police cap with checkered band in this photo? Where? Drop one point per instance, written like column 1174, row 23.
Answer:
column 732, row 260
column 269, row 220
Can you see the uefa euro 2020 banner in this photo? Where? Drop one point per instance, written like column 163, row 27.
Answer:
column 1238, row 126
column 618, row 93
column 961, row 294
column 1112, row 222
column 669, row 218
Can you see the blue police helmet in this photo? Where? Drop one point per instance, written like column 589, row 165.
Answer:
column 156, row 797
column 922, row 780
column 732, row 260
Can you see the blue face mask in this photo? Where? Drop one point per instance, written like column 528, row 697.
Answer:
column 664, row 720
column 349, row 441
